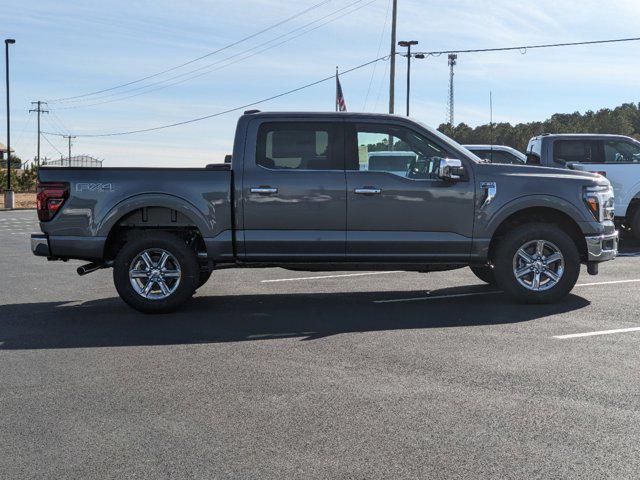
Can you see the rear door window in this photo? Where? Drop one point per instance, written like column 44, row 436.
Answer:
column 299, row 146
column 576, row 151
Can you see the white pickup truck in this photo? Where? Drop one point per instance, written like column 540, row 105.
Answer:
column 614, row 156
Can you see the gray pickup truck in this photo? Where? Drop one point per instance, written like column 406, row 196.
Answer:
column 305, row 191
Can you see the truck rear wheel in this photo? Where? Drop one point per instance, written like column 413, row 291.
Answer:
column 155, row 272
column 485, row 273
column 537, row 263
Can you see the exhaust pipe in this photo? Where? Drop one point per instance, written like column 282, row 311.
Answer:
column 92, row 267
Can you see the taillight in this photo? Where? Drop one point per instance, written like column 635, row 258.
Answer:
column 50, row 198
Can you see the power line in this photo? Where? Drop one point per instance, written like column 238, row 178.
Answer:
column 331, row 77
column 59, row 122
column 251, row 52
column 375, row 65
column 24, row 128
column 225, row 47
column 241, row 107
column 44, row 135
column 524, row 48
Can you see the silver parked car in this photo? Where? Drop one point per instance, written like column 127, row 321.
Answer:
column 498, row 154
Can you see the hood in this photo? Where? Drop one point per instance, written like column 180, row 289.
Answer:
column 530, row 172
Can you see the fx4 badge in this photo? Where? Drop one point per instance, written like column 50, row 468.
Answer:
column 94, row 187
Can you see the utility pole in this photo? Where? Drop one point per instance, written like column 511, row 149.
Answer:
column 8, row 196
column 39, row 110
column 69, row 137
column 392, row 58
column 452, row 63
column 408, row 45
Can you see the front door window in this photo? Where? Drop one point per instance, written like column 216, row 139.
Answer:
column 398, row 151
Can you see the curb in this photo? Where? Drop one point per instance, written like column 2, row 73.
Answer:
column 2, row 209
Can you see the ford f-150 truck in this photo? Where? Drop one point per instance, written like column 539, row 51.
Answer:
column 301, row 191
column 614, row 156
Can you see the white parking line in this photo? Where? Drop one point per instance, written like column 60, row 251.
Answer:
column 472, row 294
column 601, row 332
column 436, row 297
column 612, row 282
column 329, row 276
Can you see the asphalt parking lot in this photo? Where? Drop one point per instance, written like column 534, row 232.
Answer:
column 277, row 374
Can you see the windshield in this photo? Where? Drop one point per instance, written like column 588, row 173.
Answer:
column 451, row 143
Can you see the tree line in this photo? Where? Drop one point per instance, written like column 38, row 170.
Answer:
column 622, row 120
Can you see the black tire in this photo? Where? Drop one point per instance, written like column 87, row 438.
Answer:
column 635, row 224
column 204, row 277
column 509, row 246
column 485, row 273
column 183, row 255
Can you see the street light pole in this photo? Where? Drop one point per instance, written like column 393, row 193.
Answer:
column 8, row 196
column 408, row 45
column 392, row 58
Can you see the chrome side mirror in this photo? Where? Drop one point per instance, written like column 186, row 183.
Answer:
column 451, row 169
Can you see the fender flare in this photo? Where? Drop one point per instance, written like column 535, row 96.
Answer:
column 532, row 201
column 163, row 200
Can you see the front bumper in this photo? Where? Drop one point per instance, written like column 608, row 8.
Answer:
column 40, row 245
column 602, row 248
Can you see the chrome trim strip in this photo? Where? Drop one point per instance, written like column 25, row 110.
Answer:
column 596, row 249
column 368, row 191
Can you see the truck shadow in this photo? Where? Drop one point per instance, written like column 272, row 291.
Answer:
column 109, row 322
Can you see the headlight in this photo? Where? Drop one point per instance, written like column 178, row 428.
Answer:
column 599, row 201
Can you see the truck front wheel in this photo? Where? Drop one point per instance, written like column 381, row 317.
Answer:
column 537, row 263
column 155, row 272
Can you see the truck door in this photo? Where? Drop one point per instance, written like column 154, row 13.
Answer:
column 398, row 209
column 294, row 191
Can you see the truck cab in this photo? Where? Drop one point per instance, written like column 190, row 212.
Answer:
column 615, row 157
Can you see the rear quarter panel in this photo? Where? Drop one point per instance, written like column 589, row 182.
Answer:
column 99, row 197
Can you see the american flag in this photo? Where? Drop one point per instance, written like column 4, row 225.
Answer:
column 341, row 105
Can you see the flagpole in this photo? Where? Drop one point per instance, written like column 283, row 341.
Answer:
column 336, row 99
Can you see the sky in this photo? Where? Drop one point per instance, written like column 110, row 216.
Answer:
column 69, row 48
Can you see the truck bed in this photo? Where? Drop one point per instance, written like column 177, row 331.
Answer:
column 99, row 198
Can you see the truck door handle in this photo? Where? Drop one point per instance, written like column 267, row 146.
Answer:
column 264, row 190
column 368, row 191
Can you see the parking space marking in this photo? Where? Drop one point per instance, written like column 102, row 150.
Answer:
column 593, row 334
column 437, row 297
column 472, row 294
column 612, row 282
column 319, row 277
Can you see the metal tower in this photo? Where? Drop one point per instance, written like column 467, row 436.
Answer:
column 452, row 63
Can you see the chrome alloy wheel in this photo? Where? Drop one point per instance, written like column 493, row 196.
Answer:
column 538, row 265
column 154, row 274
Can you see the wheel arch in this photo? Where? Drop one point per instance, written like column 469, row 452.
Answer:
column 539, row 214
column 148, row 212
